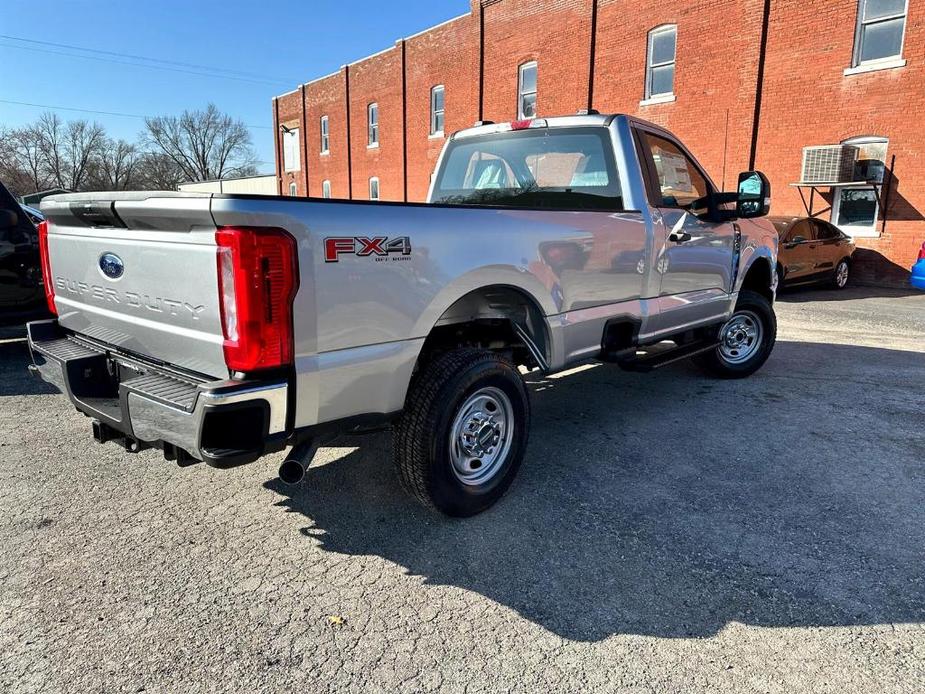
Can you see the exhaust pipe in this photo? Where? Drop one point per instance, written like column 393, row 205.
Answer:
column 296, row 463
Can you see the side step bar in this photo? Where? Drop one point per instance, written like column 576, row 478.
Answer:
column 646, row 359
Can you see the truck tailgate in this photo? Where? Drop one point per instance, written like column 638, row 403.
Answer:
column 138, row 271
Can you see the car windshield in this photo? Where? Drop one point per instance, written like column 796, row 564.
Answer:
column 560, row 168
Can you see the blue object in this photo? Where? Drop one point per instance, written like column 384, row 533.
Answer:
column 918, row 274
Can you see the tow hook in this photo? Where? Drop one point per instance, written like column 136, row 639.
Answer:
column 296, row 463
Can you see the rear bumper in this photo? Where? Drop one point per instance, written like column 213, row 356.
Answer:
column 143, row 405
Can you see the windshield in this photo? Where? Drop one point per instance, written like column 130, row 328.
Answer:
column 561, row 168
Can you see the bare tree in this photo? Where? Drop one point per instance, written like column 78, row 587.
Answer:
column 157, row 171
column 70, row 150
column 204, row 145
column 22, row 160
column 116, row 167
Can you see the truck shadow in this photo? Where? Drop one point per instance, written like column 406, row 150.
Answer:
column 15, row 378
column 671, row 505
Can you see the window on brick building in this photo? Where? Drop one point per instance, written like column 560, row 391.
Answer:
column 372, row 120
column 293, row 189
column 374, row 188
column 326, row 189
column 526, row 91
column 325, row 141
column 436, row 110
column 660, row 61
column 856, row 208
column 291, row 149
column 880, row 28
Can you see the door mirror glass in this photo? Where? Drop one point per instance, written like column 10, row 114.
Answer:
column 754, row 195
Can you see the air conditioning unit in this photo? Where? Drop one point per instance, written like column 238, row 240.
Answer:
column 829, row 164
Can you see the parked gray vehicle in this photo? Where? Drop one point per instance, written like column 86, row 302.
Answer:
column 219, row 328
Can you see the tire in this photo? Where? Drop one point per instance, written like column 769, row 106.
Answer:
column 449, row 400
column 842, row 274
column 726, row 361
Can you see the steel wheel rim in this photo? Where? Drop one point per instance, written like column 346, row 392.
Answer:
column 841, row 274
column 481, row 436
column 741, row 337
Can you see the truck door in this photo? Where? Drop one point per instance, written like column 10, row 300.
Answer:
column 696, row 258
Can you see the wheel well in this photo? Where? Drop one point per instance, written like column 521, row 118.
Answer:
column 498, row 318
column 758, row 279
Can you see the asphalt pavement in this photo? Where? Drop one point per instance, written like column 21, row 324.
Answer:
column 667, row 533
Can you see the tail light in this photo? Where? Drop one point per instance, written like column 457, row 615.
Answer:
column 47, row 279
column 922, row 252
column 257, row 283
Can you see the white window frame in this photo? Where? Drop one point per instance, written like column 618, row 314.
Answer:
column 374, row 180
column 326, row 189
column 372, row 126
column 661, row 97
column 434, row 132
column 293, row 189
column 872, row 231
column 889, row 61
column 291, row 158
column 520, row 88
column 325, row 135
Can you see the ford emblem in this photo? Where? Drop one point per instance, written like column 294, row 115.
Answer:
column 112, row 265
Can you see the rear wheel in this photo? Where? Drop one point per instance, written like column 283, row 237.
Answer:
column 842, row 274
column 746, row 339
column 463, row 433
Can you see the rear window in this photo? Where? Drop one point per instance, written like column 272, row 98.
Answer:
column 562, row 168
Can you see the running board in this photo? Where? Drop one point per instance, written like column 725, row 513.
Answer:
column 639, row 359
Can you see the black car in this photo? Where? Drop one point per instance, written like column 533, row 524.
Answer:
column 22, row 294
column 812, row 251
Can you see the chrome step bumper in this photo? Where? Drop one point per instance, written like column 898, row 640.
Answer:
column 141, row 405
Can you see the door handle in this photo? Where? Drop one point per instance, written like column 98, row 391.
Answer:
column 679, row 236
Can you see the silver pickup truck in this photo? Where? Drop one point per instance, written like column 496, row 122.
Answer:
column 219, row 328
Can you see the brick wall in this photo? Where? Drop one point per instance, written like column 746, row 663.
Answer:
column 806, row 100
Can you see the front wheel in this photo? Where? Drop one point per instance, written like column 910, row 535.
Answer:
column 745, row 340
column 463, row 433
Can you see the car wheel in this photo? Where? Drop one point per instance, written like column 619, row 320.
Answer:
column 745, row 340
column 842, row 274
column 463, row 433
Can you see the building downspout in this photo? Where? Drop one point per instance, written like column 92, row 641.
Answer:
column 759, row 85
column 276, row 141
column 349, row 154
column 404, row 123
column 481, row 61
column 304, row 139
column 593, row 51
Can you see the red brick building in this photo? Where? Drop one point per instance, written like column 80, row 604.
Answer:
column 745, row 83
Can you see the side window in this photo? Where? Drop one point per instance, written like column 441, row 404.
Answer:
column 325, row 139
column 372, row 121
column 679, row 179
column 326, row 189
column 825, row 232
column 660, row 61
column 802, row 231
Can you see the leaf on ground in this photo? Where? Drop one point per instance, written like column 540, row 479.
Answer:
column 335, row 620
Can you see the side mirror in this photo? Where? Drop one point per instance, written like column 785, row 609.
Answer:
column 754, row 195
column 8, row 219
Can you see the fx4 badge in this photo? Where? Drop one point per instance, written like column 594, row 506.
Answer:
column 380, row 247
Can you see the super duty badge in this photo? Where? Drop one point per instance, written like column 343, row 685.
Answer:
column 379, row 247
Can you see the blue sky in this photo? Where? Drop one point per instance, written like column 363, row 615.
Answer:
column 277, row 45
